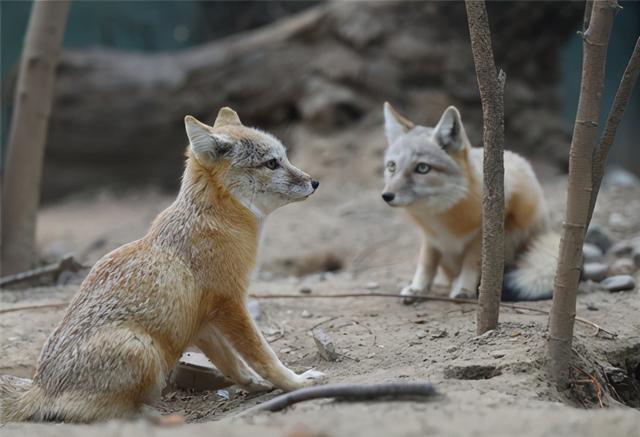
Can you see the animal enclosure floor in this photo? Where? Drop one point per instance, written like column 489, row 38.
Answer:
column 488, row 385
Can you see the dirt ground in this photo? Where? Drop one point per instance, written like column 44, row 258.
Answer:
column 344, row 239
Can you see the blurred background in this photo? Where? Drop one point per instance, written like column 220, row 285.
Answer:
column 315, row 73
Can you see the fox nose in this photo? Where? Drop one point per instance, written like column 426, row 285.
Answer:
column 315, row 184
column 388, row 197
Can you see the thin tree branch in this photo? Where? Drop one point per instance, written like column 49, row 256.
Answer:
column 491, row 85
column 619, row 105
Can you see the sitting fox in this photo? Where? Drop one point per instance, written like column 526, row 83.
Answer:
column 436, row 175
column 182, row 284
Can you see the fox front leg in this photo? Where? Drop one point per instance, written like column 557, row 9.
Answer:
column 221, row 354
column 465, row 286
column 237, row 327
column 428, row 261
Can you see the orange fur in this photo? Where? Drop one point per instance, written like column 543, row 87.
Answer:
column 141, row 305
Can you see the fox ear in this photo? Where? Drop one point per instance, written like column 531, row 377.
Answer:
column 206, row 144
column 449, row 133
column 227, row 116
column 395, row 124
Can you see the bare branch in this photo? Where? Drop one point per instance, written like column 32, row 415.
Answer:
column 616, row 112
column 491, row 85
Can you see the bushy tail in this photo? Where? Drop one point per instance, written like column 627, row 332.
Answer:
column 531, row 277
column 13, row 394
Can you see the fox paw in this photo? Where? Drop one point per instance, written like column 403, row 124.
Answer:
column 312, row 377
column 409, row 295
column 463, row 293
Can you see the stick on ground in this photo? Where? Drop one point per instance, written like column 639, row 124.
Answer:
column 350, row 392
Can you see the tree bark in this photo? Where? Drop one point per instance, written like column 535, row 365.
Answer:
column 616, row 112
column 32, row 106
column 491, row 85
column 579, row 191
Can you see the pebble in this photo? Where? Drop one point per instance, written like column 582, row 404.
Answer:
column 498, row 354
column 439, row 333
column 372, row 286
column 306, row 314
column 305, row 290
column 452, row 349
column 635, row 255
column 324, row 344
column 595, row 271
column 591, row 252
column 619, row 283
column 623, row 247
column 420, row 333
column 618, row 221
column 597, row 236
column 622, row 266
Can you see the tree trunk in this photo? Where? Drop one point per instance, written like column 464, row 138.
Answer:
column 27, row 138
column 579, row 190
column 491, row 86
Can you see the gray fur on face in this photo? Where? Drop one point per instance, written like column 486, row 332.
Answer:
column 444, row 183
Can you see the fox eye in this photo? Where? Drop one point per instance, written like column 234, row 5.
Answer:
column 423, row 168
column 272, row 164
column 391, row 166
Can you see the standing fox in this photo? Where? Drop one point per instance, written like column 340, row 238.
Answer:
column 436, row 175
column 183, row 283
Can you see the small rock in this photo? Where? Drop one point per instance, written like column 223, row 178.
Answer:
column 372, row 286
column 306, row 314
column 619, row 283
column 592, row 307
column 420, row 333
column 498, row 354
column 622, row 266
column 195, row 372
column 597, row 236
column 285, row 350
column 591, row 252
column 618, row 221
column 439, row 333
column 595, row 271
column 635, row 255
column 452, row 349
column 305, row 290
column 623, row 247
column 254, row 309
column 224, row 394
column 326, row 348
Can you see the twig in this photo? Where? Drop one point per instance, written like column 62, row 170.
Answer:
column 68, row 263
column 616, row 112
column 591, row 380
column 349, row 392
column 597, row 327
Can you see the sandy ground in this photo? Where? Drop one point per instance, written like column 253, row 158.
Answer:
column 489, row 385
